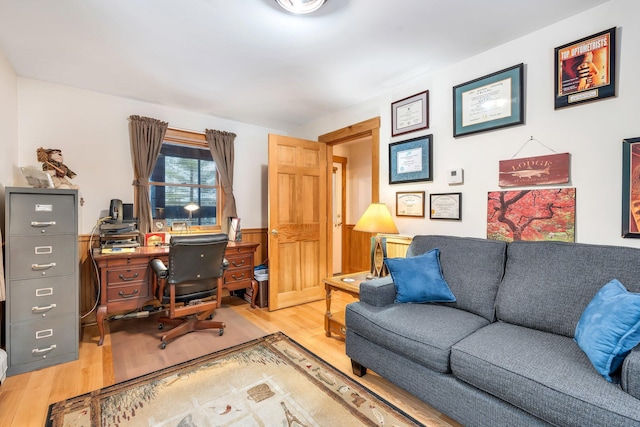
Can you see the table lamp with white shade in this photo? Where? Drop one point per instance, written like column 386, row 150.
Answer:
column 376, row 219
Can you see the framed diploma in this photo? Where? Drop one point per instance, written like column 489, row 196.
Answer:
column 410, row 114
column 490, row 102
column 411, row 160
column 446, row 206
column 586, row 69
column 410, row 203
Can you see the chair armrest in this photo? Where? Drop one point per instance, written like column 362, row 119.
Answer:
column 225, row 263
column 378, row 292
column 630, row 375
column 159, row 268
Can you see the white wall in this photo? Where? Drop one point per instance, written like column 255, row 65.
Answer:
column 8, row 122
column 591, row 132
column 92, row 129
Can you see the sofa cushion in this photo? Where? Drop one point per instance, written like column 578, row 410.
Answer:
column 630, row 373
column 609, row 327
column 418, row 279
column 421, row 332
column 472, row 267
column 544, row 374
column 547, row 285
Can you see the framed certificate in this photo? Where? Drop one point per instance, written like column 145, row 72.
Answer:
column 410, row 203
column 446, row 206
column 411, row 160
column 410, row 114
column 490, row 102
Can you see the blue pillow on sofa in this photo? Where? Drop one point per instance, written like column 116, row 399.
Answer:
column 609, row 327
column 419, row 278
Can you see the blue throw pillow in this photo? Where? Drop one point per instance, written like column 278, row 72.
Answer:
column 419, row 278
column 609, row 327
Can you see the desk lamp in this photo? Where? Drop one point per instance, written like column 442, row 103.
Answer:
column 191, row 207
column 376, row 219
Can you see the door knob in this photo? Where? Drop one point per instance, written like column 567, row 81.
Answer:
column 274, row 232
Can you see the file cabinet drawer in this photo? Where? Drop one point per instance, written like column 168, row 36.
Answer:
column 43, row 256
column 40, row 340
column 38, row 214
column 36, row 299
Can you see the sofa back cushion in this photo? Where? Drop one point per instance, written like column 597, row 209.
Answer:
column 472, row 267
column 547, row 285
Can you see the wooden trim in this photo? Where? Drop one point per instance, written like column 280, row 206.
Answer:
column 352, row 132
column 185, row 137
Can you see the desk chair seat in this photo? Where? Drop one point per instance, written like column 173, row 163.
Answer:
column 190, row 283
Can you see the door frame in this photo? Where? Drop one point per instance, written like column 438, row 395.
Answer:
column 365, row 129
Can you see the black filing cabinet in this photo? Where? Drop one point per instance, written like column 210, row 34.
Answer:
column 42, row 277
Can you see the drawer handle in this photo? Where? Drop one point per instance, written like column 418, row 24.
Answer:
column 42, row 223
column 237, row 278
column 128, row 279
column 132, row 294
column 237, row 264
column 41, row 309
column 43, row 350
column 42, row 266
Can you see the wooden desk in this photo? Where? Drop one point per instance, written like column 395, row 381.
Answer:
column 334, row 322
column 126, row 283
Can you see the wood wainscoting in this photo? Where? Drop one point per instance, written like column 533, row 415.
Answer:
column 88, row 274
column 356, row 249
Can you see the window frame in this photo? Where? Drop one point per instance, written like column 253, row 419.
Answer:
column 196, row 140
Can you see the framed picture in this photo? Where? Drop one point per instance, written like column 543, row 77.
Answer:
column 410, row 203
column 490, row 102
column 631, row 187
column 411, row 160
column 586, row 69
column 410, row 114
column 445, row 206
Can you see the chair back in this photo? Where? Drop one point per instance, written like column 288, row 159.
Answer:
column 196, row 257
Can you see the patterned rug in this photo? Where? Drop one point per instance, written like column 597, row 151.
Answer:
column 270, row 381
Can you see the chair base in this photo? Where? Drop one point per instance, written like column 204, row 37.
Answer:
column 187, row 325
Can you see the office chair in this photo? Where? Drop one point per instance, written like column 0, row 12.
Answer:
column 194, row 275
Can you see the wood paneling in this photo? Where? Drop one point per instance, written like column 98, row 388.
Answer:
column 356, row 249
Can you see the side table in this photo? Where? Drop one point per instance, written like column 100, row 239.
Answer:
column 348, row 283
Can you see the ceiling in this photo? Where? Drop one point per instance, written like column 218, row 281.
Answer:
column 249, row 61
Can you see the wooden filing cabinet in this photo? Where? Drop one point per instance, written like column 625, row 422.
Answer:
column 42, row 277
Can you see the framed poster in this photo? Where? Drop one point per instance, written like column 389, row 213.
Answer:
column 586, row 69
column 410, row 203
column 631, row 187
column 446, row 206
column 410, row 114
column 411, row 160
column 539, row 170
column 490, row 102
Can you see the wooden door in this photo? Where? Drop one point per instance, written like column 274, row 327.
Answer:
column 298, row 215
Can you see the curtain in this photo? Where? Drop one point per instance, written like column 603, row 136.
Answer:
column 221, row 147
column 146, row 141
column 2, row 288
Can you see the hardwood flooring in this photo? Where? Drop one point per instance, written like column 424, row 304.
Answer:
column 25, row 398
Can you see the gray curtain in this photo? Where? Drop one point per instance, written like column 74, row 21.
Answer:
column 146, row 141
column 221, row 147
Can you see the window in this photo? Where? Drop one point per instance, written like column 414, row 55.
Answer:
column 186, row 173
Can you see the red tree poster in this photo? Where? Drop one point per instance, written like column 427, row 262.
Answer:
column 547, row 214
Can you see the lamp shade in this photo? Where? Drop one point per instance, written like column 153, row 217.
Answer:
column 191, row 206
column 376, row 219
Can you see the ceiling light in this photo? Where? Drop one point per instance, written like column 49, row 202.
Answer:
column 301, row 6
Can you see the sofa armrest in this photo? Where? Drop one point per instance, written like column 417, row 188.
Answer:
column 630, row 375
column 378, row 292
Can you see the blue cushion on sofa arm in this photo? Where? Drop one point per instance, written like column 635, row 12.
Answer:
column 630, row 374
column 378, row 292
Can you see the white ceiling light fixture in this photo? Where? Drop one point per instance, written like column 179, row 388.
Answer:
column 301, row 6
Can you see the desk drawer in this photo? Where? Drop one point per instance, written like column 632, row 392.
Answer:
column 130, row 292
column 238, row 276
column 42, row 213
column 127, row 262
column 36, row 299
column 119, row 276
column 43, row 256
column 42, row 339
column 239, row 260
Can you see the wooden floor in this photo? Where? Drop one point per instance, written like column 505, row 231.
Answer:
column 25, row 398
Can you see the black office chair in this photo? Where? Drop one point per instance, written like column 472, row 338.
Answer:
column 188, row 285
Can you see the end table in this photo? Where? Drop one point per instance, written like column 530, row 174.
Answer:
column 349, row 283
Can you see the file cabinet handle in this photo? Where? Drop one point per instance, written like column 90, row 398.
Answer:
column 41, row 309
column 43, row 350
column 42, row 223
column 42, row 266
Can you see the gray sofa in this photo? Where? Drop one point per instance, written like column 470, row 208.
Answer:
column 503, row 354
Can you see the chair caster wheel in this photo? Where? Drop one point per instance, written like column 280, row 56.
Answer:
column 221, row 332
column 163, row 345
column 160, row 325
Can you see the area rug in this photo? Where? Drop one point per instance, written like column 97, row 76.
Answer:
column 135, row 343
column 270, row 381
